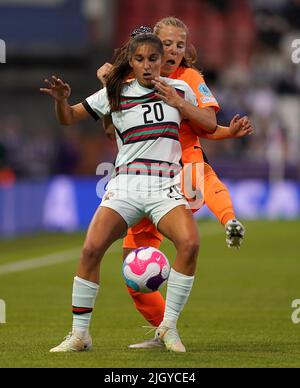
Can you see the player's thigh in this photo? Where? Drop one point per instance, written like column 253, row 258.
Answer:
column 106, row 227
column 179, row 226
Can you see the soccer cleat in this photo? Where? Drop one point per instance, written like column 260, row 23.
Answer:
column 171, row 339
column 73, row 343
column 149, row 344
column 235, row 232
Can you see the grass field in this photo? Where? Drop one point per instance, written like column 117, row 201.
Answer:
column 239, row 313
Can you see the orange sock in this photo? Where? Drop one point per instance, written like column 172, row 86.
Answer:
column 151, row 306
column 216, row 196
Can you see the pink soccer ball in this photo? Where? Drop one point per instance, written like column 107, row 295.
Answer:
column 146, row 269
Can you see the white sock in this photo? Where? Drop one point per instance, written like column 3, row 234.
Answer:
column 83, row 301
column 178, row 291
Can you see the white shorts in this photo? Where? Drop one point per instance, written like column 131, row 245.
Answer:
column 137, row 205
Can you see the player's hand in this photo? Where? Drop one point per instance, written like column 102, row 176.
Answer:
column 103, row 72
column 240, row 127
column 167, row 93
column 57, row 89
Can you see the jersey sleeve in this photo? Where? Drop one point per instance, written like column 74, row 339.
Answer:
column 190, row 96
column 204, row 96
column 97, row 104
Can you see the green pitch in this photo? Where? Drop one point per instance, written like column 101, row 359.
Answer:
column 239, row 313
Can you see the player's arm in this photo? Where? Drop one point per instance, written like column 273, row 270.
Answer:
column 202, row 117
column 239, row 127
column 65, row 113
column 102, row 74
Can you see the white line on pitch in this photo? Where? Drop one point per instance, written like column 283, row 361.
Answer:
column 44, row 261
column 65, row 256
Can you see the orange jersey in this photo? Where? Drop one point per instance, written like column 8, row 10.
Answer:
column 188, row 139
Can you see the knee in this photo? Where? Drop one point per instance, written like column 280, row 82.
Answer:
column 91, row 254
column 190, row 247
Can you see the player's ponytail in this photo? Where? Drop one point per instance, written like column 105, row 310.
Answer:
column 119, row 74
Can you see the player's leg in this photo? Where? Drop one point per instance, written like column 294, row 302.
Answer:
column 180, row 227
column 216, row 196
column 199, row 175
column 106, row 227
column 217, row 199
column 152, row 305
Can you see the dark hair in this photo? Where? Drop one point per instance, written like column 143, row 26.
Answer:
column 190, row 57
column 141, row 30
column 122, row 69
column 137, row 31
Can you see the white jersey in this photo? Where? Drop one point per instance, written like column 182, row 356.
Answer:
column 147, row 131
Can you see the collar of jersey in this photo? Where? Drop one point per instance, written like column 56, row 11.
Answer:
column 129, row 80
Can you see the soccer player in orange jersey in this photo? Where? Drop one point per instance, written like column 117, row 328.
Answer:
column 178, row 65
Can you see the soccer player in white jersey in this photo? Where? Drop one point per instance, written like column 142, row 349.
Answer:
column 148, row 163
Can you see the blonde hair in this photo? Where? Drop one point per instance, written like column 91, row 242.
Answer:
column 190, row 57
column 170, row 21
